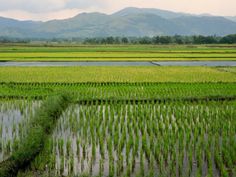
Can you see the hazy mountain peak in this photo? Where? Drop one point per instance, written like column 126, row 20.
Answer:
column 162, row 13
column 127, row 22
column 89, row 14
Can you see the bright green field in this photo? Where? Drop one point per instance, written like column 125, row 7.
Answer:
column 116, row 53
column 115, row 74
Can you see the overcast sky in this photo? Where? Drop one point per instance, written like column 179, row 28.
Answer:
column 61, row 9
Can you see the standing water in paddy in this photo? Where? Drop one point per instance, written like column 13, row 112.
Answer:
column 14, row 119
column 168, row 139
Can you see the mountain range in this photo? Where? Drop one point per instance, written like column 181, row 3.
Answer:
column 127, row 22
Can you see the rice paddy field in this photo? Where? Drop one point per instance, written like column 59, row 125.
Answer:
column 116, row 74
column 128, row 138
column 110, row 121
column 116, row 53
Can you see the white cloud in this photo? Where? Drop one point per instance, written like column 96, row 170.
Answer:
column 23, row 15
column 35, row 6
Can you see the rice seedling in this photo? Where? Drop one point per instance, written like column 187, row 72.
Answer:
column 39, row 127
column 168, row 139
column 14, row 118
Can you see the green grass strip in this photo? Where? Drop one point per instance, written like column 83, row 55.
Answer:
column 40, row 127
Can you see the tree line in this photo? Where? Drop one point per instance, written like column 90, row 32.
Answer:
column 177, row 39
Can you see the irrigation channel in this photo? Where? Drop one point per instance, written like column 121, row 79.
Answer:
column 122, row 63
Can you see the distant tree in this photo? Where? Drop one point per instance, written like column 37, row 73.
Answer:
column 110, row 40
column 205, row 39
column 156, row 40
column 165, row 40
column 103, row 41
column 117, row 40
column 124, row 40
column 145, row 40
column 230, row 39
column 211, row 40
column 178, row 39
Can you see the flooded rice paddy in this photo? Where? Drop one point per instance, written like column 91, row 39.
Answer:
column 136, row 139
column 14, row 119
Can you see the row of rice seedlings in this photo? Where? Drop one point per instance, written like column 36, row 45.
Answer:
column 14, row 118
column 86, row 91
column 157, row 91
column 167, row 139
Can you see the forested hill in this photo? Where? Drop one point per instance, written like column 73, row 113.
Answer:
column 127, row 22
